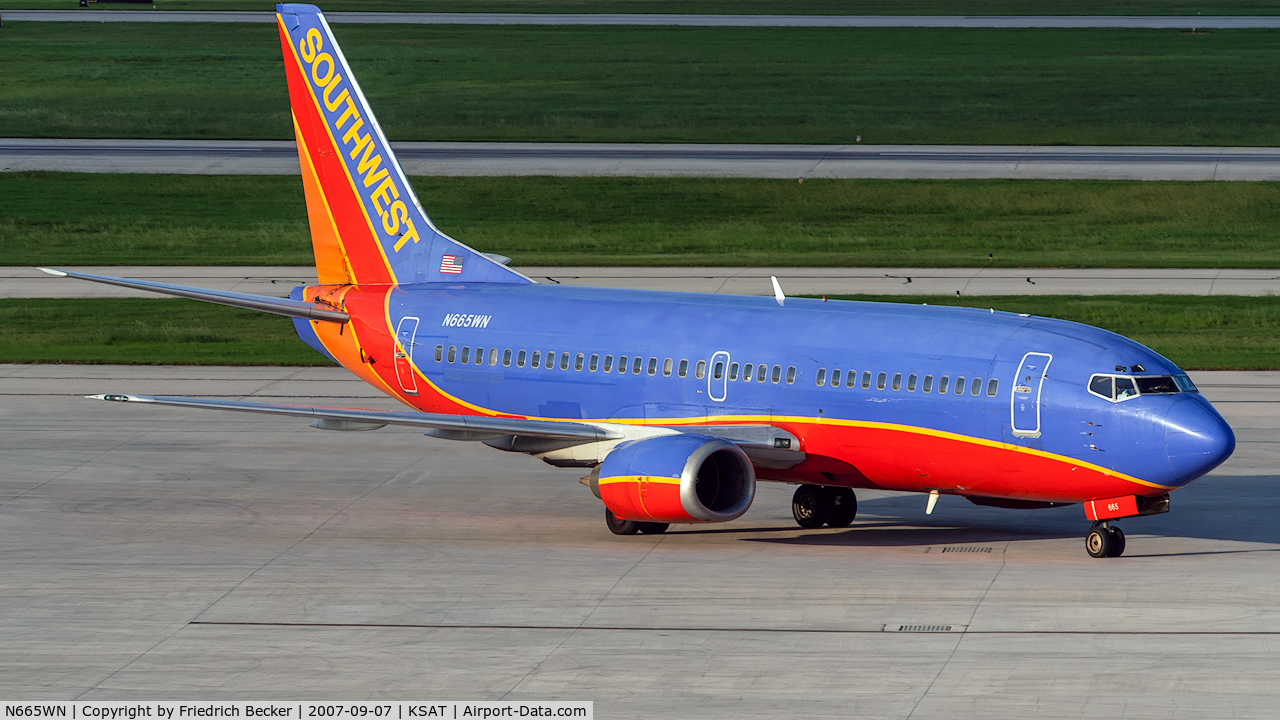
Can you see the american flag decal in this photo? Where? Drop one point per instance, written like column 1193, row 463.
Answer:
column 451, row 265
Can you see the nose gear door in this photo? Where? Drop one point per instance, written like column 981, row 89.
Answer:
column 405, row 333
column 1025, row 398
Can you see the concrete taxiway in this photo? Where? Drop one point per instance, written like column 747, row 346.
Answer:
column 1220, row 22
column 280, row 157
column 166, row 553
column 17, row 282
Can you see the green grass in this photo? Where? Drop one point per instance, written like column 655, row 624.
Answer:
column 1110, row 87
column 1197, row 333
column 74, row 219
column 727, row 7
column 137, row 331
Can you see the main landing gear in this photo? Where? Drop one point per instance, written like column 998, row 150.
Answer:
column 816, row 505
column 1104, row 540
column 617, row 526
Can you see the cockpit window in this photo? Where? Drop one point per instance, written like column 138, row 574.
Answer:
column 1156, row 385
column 1122, row 387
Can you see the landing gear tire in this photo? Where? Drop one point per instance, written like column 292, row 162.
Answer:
column 842, row 507
column 809, row 506
column 1117, row 542
column 618, row 526
column 652, row 528
column 1101, row 542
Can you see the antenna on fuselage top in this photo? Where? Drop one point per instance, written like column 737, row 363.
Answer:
column 777, row 291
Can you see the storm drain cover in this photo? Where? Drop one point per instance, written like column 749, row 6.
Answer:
column 921, row 628
column 966, row 549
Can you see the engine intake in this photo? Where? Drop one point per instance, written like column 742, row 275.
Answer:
column 677, row 479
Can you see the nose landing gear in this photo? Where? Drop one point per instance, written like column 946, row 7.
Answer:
column 1104, row 540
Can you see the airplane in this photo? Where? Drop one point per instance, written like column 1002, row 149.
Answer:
column 679, row 403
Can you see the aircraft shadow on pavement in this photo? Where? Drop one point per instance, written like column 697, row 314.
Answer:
column 1223, row 507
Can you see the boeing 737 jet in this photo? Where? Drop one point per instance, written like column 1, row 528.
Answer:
column 677, row 404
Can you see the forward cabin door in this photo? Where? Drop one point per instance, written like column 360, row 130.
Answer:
column 1025, row 409
column 405, row 333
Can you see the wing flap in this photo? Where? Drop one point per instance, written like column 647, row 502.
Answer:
column 431, row 421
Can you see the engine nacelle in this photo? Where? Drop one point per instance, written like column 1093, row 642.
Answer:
column 677, row 479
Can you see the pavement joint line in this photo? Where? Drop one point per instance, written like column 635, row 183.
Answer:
column 637, row 628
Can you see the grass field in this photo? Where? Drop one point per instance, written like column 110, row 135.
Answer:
column 1204, row 333
column 661, row 84
column 729, row 7
column 75, row 219
column 135, row 331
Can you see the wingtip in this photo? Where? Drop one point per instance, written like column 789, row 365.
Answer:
column 51, row 271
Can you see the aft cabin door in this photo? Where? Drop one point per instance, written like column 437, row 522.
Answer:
column 404, row 354
column 1026, row 394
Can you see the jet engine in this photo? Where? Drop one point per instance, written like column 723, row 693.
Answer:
column 676, row 479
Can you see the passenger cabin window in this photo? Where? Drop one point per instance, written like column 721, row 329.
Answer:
column 595, row 363
column 928, row 384
column 835, row 378
column 993, row 387
column 960, row 385
column 466, row 355
column 653, row 366
column 733, row 371
column 520, row 358
column 881, row 380
column 791, row 375
column 622, row 364
column 700, row 370
column 776, row 375
column 564, row 361
column 851, row 379
column 453, row 353
column 911, row 383
column 578, row 361
column 866, row 379
column 761, row 371
column 717, row 372
column 684, row 368
column 493, row 356
column 439, row 353
column 636, row 363
column 747, row 371
column 479, row 356
column 821, row 378
column 666, row 367
column 944, row 382
column 608, row 363
column 897, row 382
column 975, row 387
column 537, row 358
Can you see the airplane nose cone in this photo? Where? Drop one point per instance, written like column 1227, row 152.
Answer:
column 1196, row 438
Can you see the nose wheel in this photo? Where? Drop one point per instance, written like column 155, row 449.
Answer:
column 816, row 505
column 1104, row 541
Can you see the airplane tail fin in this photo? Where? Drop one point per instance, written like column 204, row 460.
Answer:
column 367, row 226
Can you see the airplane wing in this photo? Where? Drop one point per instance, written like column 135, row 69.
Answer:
column 457, row 426
column 262, row 303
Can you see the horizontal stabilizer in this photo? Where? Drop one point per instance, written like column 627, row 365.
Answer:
column 431, row 421
column 263, row 303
